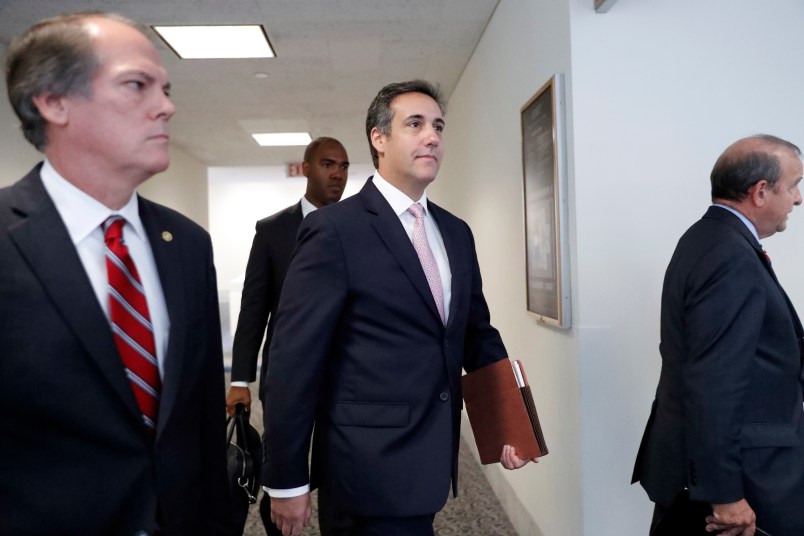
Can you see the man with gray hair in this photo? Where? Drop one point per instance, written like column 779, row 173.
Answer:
column 112, row 412
column 724, row 445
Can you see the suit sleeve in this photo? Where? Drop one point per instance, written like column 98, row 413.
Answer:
column 215, row 490
column 483, row 342
column 255, row 306
column 313, row 297
column 725, row 304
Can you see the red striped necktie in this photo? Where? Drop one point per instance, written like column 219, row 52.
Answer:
column 131, row 322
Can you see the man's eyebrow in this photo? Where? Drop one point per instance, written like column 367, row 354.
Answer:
column 415, row 116
column 421, row 117
column 150, row 78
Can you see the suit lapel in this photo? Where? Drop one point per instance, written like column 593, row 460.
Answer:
column 724, row 215
column 45, row 244
column 390, row 230
column 454, row 255
column 168, row 264
column 290, row 224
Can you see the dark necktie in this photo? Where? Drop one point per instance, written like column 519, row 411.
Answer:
column 131, row 322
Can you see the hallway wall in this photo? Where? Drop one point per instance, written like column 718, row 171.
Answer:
column 481, row 181
column 655, row 91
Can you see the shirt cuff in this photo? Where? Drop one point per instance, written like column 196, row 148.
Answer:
column 287, row 493
column 239, row 384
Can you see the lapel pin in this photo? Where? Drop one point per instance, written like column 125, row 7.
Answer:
column 167, row 236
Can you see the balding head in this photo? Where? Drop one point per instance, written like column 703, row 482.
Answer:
column 759, row 177
column 746, row 162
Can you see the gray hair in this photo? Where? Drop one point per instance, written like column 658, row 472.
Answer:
column 739, row 168
column 55, row 56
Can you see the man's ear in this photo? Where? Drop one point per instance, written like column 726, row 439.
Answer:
column 306, row 169
column 378, row 140
column 759, row 193
column 52, row 108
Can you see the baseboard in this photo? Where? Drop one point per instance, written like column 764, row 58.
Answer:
column 520, row 518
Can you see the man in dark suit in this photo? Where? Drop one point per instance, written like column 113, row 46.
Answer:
column 369, row 342
column 112, row 409
column 326, row 167
column 726, row 428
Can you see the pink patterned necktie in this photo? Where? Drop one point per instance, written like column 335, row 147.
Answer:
column 426, row 257
column 131, row 322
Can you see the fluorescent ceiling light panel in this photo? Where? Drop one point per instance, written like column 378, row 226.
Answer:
column 282, row 139
column 217, row 42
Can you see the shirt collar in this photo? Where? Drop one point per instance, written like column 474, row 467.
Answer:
column 81, row 213
column 306, row 207
column 399, row 202
column 740, row 215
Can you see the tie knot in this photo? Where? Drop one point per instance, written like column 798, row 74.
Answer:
column 417, row 210
column 113, row 228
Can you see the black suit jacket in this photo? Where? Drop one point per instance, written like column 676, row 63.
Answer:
column 726, row 422
column 360, row 351
column 74, row 455
column 268, row 263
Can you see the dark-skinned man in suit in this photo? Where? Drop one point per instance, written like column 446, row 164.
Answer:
column 326, row 167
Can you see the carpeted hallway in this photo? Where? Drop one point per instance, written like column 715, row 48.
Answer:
column 476, row 511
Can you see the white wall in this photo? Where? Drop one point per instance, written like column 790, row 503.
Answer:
column 656, row 90
column 481, row 181
column 239, row 196
column 659, row 90
column 182, row 187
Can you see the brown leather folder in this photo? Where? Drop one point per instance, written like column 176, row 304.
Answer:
column 502, row 413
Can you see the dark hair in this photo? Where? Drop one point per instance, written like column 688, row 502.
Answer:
column 54, row 56
column 737, row 170
column 379, row 114
column 312, row 147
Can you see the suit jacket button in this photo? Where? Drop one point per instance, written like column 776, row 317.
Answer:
column 444, row 397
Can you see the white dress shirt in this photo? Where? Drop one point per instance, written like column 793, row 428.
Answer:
column 742, row 217
column 400, row 203
column 83, row 216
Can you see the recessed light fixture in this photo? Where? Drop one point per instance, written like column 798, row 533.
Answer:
column 217, row 42
column 282, row 139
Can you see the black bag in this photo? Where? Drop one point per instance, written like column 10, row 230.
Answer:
column 245, row 461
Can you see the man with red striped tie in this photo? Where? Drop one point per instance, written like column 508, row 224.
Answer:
column 112, row 408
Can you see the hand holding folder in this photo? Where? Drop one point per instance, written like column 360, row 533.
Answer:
column 501, row 410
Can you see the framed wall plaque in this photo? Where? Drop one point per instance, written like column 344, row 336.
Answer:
column 545, row 182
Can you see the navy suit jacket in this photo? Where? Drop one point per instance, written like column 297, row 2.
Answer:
column 74, row 455
column 360, row 352
column 268, row 262
column 726, row 422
